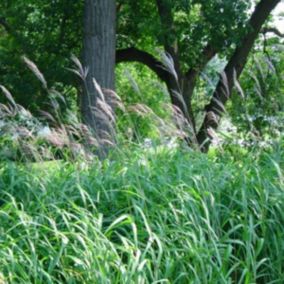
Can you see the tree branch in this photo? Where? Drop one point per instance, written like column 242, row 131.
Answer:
column 133, row 54
column 272, row 30
column 233, row 70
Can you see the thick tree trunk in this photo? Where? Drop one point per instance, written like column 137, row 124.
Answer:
column 232, row 71
column 99, row 58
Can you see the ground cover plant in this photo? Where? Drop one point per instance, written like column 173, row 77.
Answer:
column 153, row 215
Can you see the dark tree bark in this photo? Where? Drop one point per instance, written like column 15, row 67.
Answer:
column 99, row 58
column 273, row 30
column 133, row 54
column 232, row 71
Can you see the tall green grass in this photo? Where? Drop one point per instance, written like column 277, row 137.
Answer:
column 145, row 215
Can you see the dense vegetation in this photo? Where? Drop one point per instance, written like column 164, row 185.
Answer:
column 151, row 215
column 176, row 177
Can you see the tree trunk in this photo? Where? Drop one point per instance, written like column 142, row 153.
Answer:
column 99, row 58
column 233, row 71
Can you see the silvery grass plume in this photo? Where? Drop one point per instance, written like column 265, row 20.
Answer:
column 103, row 111
column 79, row 70
column 177, row 125
column 140, row 109
column 166, row 127
column 184, row 117
column 8, row 95
column 132, row 82
column 168, row 65
column 105, row 118
column 238, row 86
column 19, row 127
column 53, row 95
column 173, row 127
column 61, row 136
column 32, row 66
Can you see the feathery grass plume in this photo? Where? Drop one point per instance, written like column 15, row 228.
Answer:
column 179, row 96
column 80, row 71
column 103, row 107
column 63, row 136
column 104, row 114
column 238, row 85
column 184, row 129
column 103, row 120
column 105, row 141
column 132, row 81
column 225, row 84
column 58, row 138
column 168, row 64
column 179, row 118
column 140, row 109
column 172, row 126
column 47, row 115
column 185, row 121
column 113, row 100
column 57, row 95
column 6, row 110
column 257, row 87
column 99, row 90
column 220, row 105
column 32, row 66
column 9, row 96
column 30, row 140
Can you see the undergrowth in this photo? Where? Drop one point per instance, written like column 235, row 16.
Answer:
column 145, row 215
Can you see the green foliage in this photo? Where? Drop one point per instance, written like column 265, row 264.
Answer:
column 196, row 25
column 260, row 112
column 146, row 215
column 146, row 102
column 48, row 34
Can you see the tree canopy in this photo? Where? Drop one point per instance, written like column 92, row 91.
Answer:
column 175, row 39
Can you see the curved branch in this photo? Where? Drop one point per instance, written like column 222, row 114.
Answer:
column 133, row 54
column 273, row 30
